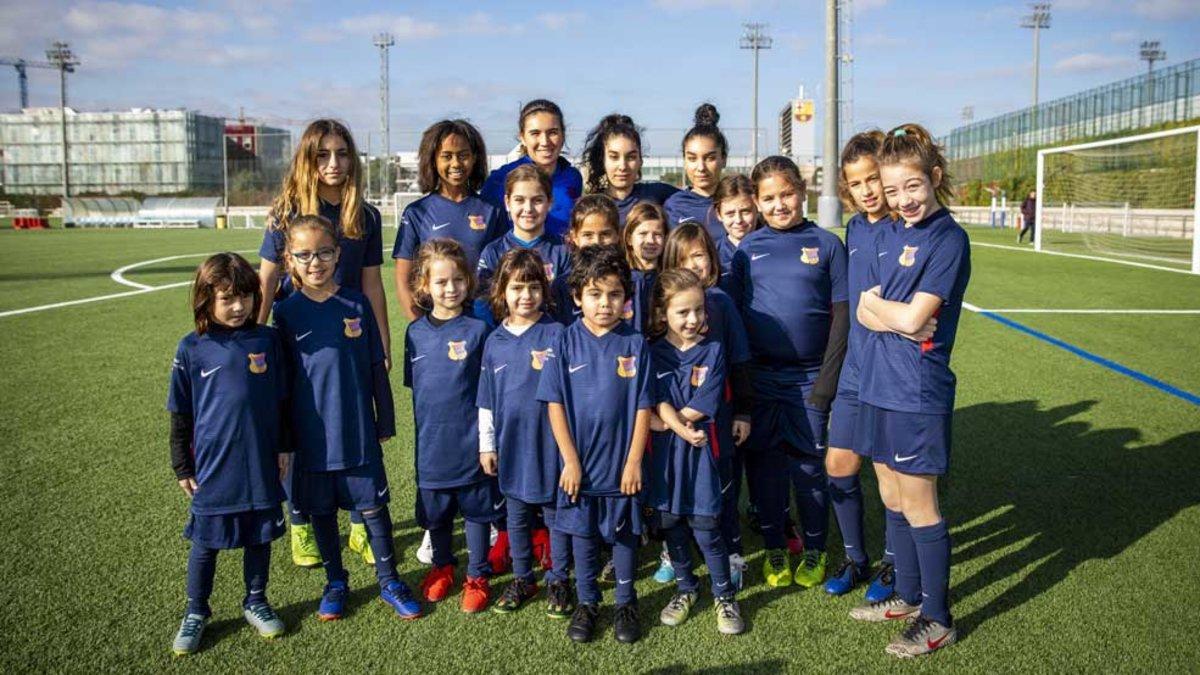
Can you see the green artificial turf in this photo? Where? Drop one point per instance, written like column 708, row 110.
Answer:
column 1072, row 497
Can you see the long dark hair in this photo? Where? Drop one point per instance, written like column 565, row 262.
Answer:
column 705, row 125
column 427, row 177
column 223, row 271
column 593, row 148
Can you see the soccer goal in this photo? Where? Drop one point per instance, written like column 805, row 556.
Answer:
column 1130, row 199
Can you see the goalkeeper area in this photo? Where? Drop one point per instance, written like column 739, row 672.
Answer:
column 1130, row 199
column 1073, row 488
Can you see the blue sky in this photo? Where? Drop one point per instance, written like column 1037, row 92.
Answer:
column 286, row 61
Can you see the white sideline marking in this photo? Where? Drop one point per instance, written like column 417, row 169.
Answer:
column 1084, row 257
column 98, row 298
column 1094, row 311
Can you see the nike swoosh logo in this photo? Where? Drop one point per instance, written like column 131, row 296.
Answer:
column 497, row 505
column 882, row 254
column 756, row 256
column 417, row 358
column 687, row 219
column 889, row 614
column 820, row 447
column 296, row 511
column 576, row 368
column 384, row 491
column 723, row 585
column 438, row 227
column 499, row 368
column 934, row 644
column 726, row 488
column 279, row 523
column 303, row 335
column 767, row 527
column 624, row 581
column 898, row 458
column 660, row 376
column 385, row 558
column 853, row 251
column 206, row 373
column 811, row 534
column 725, row 274
column 620, row 525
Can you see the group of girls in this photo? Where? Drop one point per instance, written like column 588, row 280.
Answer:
column 587, row 371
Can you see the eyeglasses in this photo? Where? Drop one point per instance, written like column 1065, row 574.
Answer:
column 306, row 257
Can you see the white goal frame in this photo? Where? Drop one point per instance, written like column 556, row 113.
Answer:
column 1041, row 165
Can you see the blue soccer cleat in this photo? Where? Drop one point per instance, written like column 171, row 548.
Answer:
column 847, row 576
column 883, row 583
column 333, row 601
column 398, row 595
column 665, row 573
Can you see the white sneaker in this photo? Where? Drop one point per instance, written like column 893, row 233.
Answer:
column 737, row 569
column 425, row 550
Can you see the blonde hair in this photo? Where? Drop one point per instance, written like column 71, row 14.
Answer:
column 432, row 251
column 298, row 194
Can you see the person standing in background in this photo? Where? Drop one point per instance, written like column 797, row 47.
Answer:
column 1028, row 216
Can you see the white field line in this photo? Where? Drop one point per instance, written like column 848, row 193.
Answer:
column 1094, row 311
column 1084, row 257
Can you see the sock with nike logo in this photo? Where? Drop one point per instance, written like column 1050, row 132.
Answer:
column 256, row 570
column 625, row 565
column 808, row 476
column 379, row 536
column 908, row 570
column 933, row 552
column 846, row 494
column 716, row 556
column 201, row 568
column 587, row 568
column 329, row 544
column 679, row 545
column 479, row 536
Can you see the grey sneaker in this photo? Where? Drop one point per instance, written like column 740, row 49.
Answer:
column 729, row 617
column 892, row 609
column 677, row 610
column 187, row 640
column 264, row 619
column 921, row 637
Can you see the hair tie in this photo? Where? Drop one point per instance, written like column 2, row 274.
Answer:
column 899, row 132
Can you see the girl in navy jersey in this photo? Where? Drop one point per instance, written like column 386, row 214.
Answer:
column 790, row 283
column 594, row 220
column 340, row 414
column 515, row 439
column 915, row 287
column 453, row 166
column 324, row 179
column 733, row 202
column 228, row 446
column 542, row 134
column 862, row 192
column 612, row 156
column 443, row 350
column 598, row 395
column 705, row 151
column 643, row 237
column 689, row 247
column 684, row 485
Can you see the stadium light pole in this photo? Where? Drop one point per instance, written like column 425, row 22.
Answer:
column 1038, row 19
column 755, row 39
column 1150, row 52
column 829, row 207
column 64, row 59
column 384, row 41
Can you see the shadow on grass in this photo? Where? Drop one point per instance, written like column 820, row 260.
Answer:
column 767, row 666
column 1058, row 492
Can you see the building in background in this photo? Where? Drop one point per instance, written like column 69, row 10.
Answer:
column 798, row 134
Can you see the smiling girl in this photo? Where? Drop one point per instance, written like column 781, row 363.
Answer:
column 612, row 156
column 705, row 151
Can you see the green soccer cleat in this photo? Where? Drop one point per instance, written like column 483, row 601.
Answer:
column 777, row 569
column 729, row 617
column 677, row 610
column 360, row 544
column 811, row 570
column 187, row 640
column 304, row 546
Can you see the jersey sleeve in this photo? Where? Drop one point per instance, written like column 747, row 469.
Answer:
column 645, row 395
column 838, row 277
column 273, row 244
column 551, row 387
column 483, row 397
column 492, row 191
column 373, row 256
column 735, row 341
column 707, row 397
column 872, row 250
column 739, row 279
column 407, row 238
column 374, row 336
column 179, row 396
column 279, row 366
column 661, row 192
column 947, row 259
column 409, row 351
column 497, row 223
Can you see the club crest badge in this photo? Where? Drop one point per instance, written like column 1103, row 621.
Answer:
column 476, row 222
column 539, row 356
column 627, row 312
column 353, row 327
column 458, row 350
column 627, row 366
column 258, row 362
column 699, row 375
column 909, row 256
column 549, row 267
column 810, row 256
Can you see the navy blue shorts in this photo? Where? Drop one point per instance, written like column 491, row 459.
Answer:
column 843, row 420
column 362, row 488
column 236, row 530
column 478, row 502
column 602, row 517
column 910, row 443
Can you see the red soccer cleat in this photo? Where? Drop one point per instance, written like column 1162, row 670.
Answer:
column 437, row 583
column 500, row 558
column 476, row 593
column 795, row 544
column 541, row 548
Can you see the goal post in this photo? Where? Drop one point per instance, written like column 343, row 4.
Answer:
column 1134, row 199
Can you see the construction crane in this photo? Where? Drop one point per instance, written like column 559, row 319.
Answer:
column 23, row 79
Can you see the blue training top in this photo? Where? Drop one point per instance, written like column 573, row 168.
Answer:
column 472, row 222
column 653, row 192
column 860, row 242
column 686, row 205
column 366, row 251
column 567, row 185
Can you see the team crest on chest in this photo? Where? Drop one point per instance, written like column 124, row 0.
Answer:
column 458, row 350
column 627, row 313
column 539, row 356
column 353, row 327
column 908, row 257
column 810, row 256
column 476, row 222
column 699, row 375
column 258, row 362
column 627, row 366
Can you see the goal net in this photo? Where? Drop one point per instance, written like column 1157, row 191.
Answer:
column 1132, row 199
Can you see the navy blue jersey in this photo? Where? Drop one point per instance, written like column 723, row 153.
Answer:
column 724, row 324
column 932, row 256
column 685, row 206
column 860, row 244
column 366, row 251
column 637, row 307
column 653, row 192
column 553, row 251
column 785, row 283
column 508, row 383
column 725, row 251
column 441, row 366
column 331, row 347
column 567, row 185
column 232, row 384
column 601, row 382
column 472, row 222
column 683, row 479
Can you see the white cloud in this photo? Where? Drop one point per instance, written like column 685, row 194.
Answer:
column 1166, row 9
column 687, row 5
column 401, row 26
column 1090, row 62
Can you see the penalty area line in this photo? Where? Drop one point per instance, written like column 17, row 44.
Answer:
column 97, row 298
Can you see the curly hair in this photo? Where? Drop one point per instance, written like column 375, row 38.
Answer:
column 431, row 141
column 593, row 148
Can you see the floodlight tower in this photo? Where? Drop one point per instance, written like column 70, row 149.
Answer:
column 968, row 114
column 845, row 70
column 756, row 39
column 829, row 207
column 1150, row 52
column 384, row 41
column 1037, row 19
column 64, row 59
